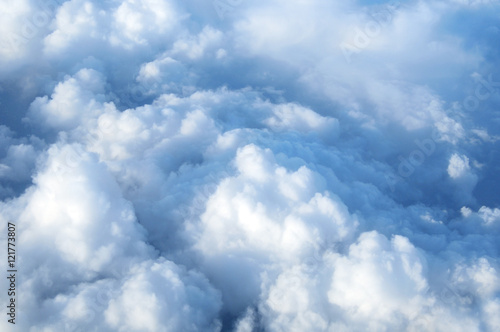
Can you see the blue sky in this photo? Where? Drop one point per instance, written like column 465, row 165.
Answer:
column 244, row 166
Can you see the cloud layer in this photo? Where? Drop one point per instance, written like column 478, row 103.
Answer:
column 251, row 166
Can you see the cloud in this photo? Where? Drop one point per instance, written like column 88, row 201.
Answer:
column 301, row 119
column 266, row 215
column 71, row 102
column 458, row 167
column 188, row 302
column 153, row 296
column 84, row 239
column 373, row 262
column 126, row 25
column 460, row 172
column 282, row 166
column 379, row 283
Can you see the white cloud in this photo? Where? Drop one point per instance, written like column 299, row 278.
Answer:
column 142, row 22
column 246, row 323
column 160, row 296
column 296, row 117
column 128, row 25
column 169, row 169
column 365, row 280
column 73, row 101
column 270, row 209
column 194, row 47
column 458, row 166
column 461, row 173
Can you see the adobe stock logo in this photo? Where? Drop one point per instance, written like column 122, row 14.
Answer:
column 483, row 91
column 224, row 7
column 31, row 26
column 363, row 37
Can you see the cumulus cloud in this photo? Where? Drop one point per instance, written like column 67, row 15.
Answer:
column 460, row 172
column 72, row 101
column 378, row 283
column 251, row 166
column 373, row 297
column 153, row 296
column 79, row 231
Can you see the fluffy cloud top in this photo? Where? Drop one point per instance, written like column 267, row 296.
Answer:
column 251, row 166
